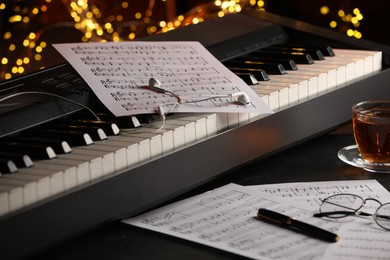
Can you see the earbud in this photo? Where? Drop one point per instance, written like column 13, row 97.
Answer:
column 242, row 98
column 160, row 111
column 155, row 85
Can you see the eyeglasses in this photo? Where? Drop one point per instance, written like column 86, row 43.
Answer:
column 344, row 204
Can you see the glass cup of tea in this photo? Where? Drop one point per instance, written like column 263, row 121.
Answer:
column 371, row 129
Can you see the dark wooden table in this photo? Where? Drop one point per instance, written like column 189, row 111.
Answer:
column 313, row 160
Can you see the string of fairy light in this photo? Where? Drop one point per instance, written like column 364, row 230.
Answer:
column 22, row 45
column 351, row 19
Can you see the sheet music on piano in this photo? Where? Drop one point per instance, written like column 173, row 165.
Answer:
column 118, row 73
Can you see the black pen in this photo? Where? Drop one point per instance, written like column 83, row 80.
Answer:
column 289, row 222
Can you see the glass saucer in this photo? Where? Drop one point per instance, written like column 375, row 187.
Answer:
column 351, row 156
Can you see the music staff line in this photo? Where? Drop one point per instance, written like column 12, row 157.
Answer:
column 189, row 62
column 125, row 49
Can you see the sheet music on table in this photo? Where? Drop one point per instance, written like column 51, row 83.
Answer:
column 224, row 218
column 311, row 193
column 118, row 73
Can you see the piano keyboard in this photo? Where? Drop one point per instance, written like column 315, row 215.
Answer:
column 141, row 168
column 112, row 153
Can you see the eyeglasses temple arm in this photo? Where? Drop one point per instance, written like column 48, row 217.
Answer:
column 334, row 214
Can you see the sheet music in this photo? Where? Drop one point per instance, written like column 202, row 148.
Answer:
column 224, row 218
column 118, row 73
column 311, row 193
column 360, row 241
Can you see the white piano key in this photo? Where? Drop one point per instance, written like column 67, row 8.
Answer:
column 282, row 95
column 362, row 54
column 132, row 150
column 120, row 153
column 359, row 69
column 43, row 180
column 310, row 78
column 137, row 148
column 188, row 130
column 364, row 62
column 177, row 131
column 166, row 136
column 144, row 150
column 325, row 77
column 69, row 171
column 82, row 164
column 256, row 115
column 343, row 68
column 356, row 67
column 29, row 189
column 272, row 94
column 222, row 121
column 200, row 124
column 178, row 135
column 4, row 202
column 155, row 141
column 377, row 61
column 42, row 185
column 108, row 161
column 14, row 195
column 264, row 98
column 349, row 72
column 232, row 119
column 302, row 85
column 95, row 169
column 368, row 65
column 56, row 176
column 212, row 124
column 243, row 117
column 327, row 81
column 292, row 88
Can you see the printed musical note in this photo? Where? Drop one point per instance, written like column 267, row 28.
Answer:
column 360, row 242
column 312, row 194
column 184, row 68
column 225, row 218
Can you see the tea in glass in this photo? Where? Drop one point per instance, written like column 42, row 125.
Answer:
column 371, row 127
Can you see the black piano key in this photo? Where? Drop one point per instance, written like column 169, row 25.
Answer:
column 298, row 57
column 72, row 137
column 288, row 64
column 123, row 121
column 270, row 68
column 59, row 146
column 7, row 166
column 260, row 74
column 108, row 127
column 248, row 78
column 35, row 151
column 326, row 50
column 96, row 133
column 20, row 160
column 146, row 118
column 316, row 54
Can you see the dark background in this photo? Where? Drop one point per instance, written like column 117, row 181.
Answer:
column 55, row 24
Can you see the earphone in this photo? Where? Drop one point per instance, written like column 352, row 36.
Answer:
column 242, row 98
column 155, row 85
